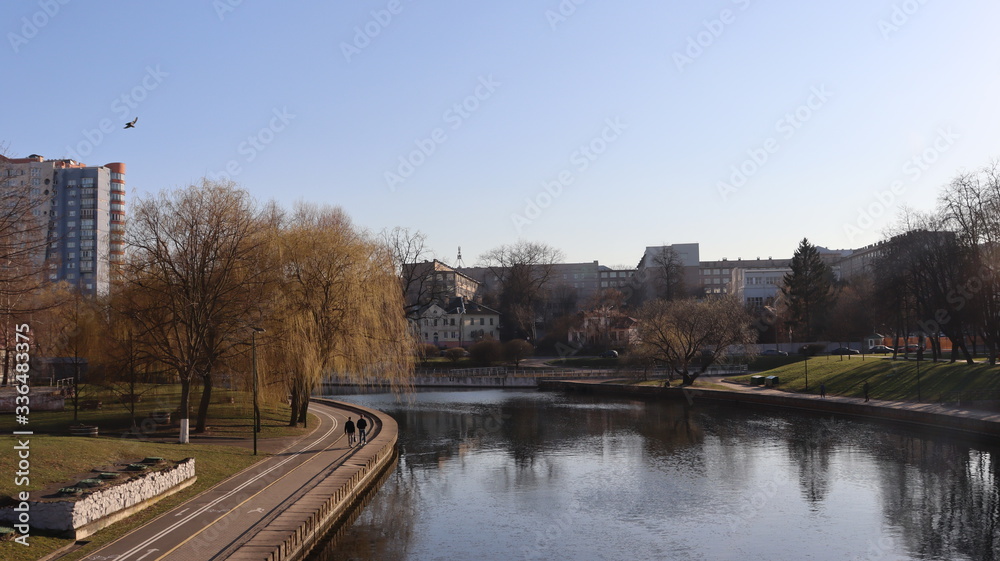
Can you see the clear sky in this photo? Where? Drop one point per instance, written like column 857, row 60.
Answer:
column 597, row 127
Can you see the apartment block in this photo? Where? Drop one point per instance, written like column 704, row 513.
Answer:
column 84, row 212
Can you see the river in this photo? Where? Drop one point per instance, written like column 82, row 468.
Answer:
column 508, row 474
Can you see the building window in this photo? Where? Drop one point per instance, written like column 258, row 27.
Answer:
column 491, row 321
column 452, row 321
column 482, row 321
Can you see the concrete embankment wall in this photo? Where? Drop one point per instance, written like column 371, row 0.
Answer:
column 80, row 518
column 928, row 415
column 330, row 502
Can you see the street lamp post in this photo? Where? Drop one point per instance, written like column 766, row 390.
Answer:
column 256, row 407
column 806, row 363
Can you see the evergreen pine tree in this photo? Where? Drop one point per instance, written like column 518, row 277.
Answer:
column 808, row 289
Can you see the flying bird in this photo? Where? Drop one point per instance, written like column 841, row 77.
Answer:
column 131, row 125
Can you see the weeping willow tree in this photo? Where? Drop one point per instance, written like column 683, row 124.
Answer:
column 338, row 308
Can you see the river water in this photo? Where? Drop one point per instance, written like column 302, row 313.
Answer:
column 506, row 475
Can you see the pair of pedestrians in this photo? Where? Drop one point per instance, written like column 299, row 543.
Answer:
column 362, row 426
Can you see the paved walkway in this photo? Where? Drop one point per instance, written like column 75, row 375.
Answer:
column 980, row 421
column 934, row 408
column 250, row 514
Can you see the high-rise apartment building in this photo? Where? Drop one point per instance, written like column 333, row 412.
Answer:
column 84, row 208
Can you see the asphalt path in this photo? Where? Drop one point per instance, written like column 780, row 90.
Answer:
column 214, row 524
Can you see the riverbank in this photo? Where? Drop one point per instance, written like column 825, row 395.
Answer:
column 973, row 422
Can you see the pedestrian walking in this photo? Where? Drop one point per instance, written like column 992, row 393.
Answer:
column 362, row 435
column 865, row 387
column 822, row 390
column 349, row 431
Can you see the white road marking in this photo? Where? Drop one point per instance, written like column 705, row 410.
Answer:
column 246, row 483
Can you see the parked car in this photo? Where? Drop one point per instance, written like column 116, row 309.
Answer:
column 911, row 348
column 609, row 354
column 773, row 352
column 879, row 350
column 844, row 351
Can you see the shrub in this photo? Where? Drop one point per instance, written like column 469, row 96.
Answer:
column 425, row 351
column 486, row 352
column 517, row 350
column 455, row 353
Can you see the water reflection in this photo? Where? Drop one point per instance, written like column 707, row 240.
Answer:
column 525, row 475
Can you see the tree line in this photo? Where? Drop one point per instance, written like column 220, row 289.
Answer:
column 208, row 270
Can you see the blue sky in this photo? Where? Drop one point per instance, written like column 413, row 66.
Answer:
column 597, row 127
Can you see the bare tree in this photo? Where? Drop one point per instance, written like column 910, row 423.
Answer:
column 408, row 251
column 681, row 333
column 522, row 271
column 195, row 274
column 971, row 206
column 668, row 274
column 24, row 230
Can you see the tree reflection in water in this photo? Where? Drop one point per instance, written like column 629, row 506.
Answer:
column 563, row 476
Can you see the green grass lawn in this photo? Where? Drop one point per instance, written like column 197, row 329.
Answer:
column 888, row 379
column 58, row 460
column 229, row 414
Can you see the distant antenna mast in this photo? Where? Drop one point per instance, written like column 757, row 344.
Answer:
column 459, row 262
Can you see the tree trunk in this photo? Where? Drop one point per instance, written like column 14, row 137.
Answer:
column 206, row 398
column 293, row 419
column 6, row 366
column 303, row 412
column 687, row 378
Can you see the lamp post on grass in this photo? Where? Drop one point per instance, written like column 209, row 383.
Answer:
column 256, row 408
column 806, row 363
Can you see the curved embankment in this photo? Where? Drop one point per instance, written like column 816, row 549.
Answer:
column 331, row 502
column 979, row 423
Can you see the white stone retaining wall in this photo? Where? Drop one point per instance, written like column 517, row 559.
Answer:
column 69, row 516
